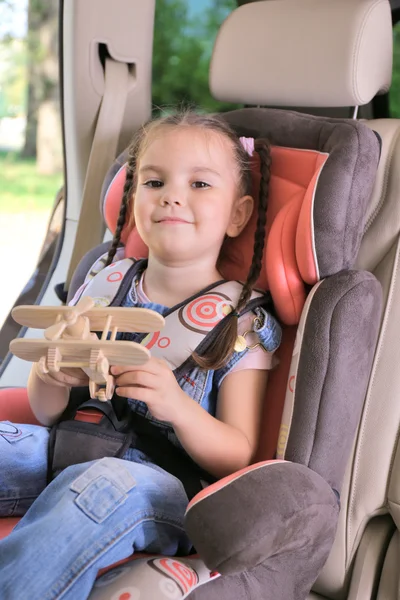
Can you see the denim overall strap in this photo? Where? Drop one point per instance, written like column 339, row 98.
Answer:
column 260, row 302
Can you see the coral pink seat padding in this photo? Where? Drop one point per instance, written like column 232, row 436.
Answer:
column 289, row 257
column 7, row 525
column 289, row 262
column 14, row 406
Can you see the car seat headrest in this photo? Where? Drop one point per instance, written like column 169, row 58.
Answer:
column 322, row 175
column 303, row 53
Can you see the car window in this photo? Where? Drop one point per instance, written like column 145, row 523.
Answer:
column 31, row 159
column 184, row 35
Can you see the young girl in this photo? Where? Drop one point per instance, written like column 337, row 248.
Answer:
column 187, row 192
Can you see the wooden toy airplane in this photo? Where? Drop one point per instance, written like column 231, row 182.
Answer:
column 70, row 342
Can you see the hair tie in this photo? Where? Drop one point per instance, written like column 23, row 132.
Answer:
column 248, row 144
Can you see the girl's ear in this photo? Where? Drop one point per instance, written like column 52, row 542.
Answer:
column 241, row 213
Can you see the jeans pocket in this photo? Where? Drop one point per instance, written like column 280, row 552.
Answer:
column 103, row 488
column 100, row 499
column 12, row 433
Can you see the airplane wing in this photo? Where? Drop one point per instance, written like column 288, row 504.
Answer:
column 126, row 319
column 117, row 353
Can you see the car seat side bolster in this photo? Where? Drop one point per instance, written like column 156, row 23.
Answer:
column 336, row 356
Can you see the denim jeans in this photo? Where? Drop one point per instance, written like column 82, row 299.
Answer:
column 92, row 515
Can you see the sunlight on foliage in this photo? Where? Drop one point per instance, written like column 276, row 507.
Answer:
column 181, row 54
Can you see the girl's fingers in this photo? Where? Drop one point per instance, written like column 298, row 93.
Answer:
column 62, row 379
column 136, row 378
column 49, row 380
column 137, row 393
column 71, row 378
column 153, row 366
column 75, row 372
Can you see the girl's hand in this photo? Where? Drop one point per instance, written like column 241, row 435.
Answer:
column 65, row 377
column 153, row 383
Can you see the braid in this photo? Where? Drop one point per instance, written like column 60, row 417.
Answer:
column 263, row 149
column 128, row 187
column 222, row 346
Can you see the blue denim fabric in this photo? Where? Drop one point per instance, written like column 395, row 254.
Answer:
column 268, row 329
column 92, row 515
column 202, row 386
column 23, row 470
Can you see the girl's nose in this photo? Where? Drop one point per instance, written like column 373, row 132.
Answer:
column 171, row 198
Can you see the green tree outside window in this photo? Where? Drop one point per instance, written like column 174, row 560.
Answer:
column 183, row 42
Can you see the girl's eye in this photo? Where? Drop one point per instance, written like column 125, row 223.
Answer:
column 153, row 183
column 200, row 184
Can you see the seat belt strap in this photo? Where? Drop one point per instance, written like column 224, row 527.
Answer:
column 90, row 229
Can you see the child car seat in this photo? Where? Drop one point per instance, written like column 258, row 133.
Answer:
column 299, row 184
column 319, row 198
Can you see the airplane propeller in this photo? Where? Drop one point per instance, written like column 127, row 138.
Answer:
column 69, row 318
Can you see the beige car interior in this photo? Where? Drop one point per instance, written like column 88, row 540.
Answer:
column 334, row 54
column 328, row 54
column 297, row 53
column 340, row 49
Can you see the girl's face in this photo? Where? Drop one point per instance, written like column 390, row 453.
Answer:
column 187, row 195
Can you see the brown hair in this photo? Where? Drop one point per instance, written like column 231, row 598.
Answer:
column 222, row 347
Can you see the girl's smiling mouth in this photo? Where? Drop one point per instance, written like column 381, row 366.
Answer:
column 173, row 221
